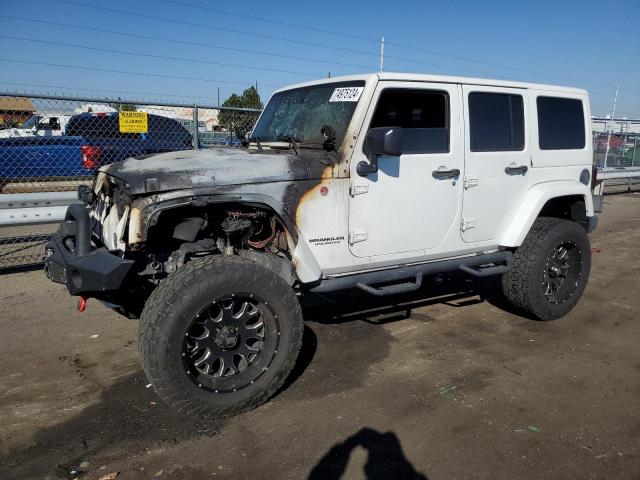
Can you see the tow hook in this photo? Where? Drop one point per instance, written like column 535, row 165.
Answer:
column 82, row 304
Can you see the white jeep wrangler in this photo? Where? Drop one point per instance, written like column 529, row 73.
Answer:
column 367, row 182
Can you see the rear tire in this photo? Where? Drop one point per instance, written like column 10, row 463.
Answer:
column 550, row 269
column 219, row 336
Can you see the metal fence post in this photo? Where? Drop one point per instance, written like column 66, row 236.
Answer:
column 196, row 141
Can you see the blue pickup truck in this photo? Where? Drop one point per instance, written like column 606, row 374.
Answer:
column 23, row 158
column 104, row 143
column 91, row 140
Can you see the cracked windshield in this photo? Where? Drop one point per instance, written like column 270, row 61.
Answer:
column 301, row 113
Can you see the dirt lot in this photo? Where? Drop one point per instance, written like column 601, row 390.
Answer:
column 441, row 385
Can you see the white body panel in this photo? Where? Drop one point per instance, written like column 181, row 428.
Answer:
column 403, row 215
column 527, row 210
column 491, row 194
column 403, row 209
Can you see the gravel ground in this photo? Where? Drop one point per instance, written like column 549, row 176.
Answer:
column 443, row 384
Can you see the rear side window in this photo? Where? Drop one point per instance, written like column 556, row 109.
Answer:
column 560, row 123
column 161, row 129
column 422, row 114
column 496, row 122
column 167, row 129
column 97, row 126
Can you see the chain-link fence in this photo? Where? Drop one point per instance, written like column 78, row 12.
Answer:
column 54, row 144
column 616, row 154
column 618, row 146
column 22, row 246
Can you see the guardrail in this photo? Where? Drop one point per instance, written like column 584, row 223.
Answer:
column 618, row 173
column 19, row 209
column 611, row 180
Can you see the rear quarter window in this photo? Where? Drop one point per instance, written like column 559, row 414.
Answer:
column 97, row 126
column 168, row 129
column 560, row 123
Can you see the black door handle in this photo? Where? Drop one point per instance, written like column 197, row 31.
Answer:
column 443, row 174
column 521, row 170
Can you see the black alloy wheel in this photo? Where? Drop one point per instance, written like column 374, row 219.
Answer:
column 562, row 272
column 230, row 343
column 219, row 336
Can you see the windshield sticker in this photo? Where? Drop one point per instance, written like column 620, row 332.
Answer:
column 346, row 94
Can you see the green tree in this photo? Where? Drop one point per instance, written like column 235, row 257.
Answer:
column 230, row 120
column 125, row 107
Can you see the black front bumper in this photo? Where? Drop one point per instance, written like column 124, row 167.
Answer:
column 71, row 260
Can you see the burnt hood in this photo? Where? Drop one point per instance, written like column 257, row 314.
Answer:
column 206, row 168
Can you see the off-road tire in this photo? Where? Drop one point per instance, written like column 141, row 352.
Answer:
column 173, row 305
column 523, row 286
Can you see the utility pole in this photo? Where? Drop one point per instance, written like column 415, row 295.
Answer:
column 256, row 86
column 382, row 53
column 613, row 116
column 196, row 140
column 218, row 96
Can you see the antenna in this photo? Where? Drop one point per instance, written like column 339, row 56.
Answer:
column 613, row 116
column 382, row 53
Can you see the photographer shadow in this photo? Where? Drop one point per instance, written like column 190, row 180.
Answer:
column 385, row 458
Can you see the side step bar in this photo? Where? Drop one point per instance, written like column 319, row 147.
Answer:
column 482, row 265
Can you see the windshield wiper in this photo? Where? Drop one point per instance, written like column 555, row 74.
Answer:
column 291, row 140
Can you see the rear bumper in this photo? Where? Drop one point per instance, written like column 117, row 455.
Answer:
column 71, row 260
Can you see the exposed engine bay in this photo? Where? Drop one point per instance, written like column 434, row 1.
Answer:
column 182, row 233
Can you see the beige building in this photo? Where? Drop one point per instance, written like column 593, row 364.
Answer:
column 14, row 111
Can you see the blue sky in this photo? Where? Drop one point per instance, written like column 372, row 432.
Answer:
column 593, row 45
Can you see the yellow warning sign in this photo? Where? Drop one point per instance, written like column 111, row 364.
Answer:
column 133, row 122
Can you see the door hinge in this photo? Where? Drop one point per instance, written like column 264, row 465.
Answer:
column 356, row 236
column 470, row 182
column 358, row 188
column 467, row 223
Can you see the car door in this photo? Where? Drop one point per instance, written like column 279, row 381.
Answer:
column 497, row 159
column 410, row 204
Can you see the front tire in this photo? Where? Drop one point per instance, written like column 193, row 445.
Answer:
column 219, row 336
column 550, row 269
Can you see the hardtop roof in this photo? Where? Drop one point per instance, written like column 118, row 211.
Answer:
column 419, row 77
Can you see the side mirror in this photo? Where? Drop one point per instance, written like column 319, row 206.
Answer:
column 386, row 141
column 42, row 126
